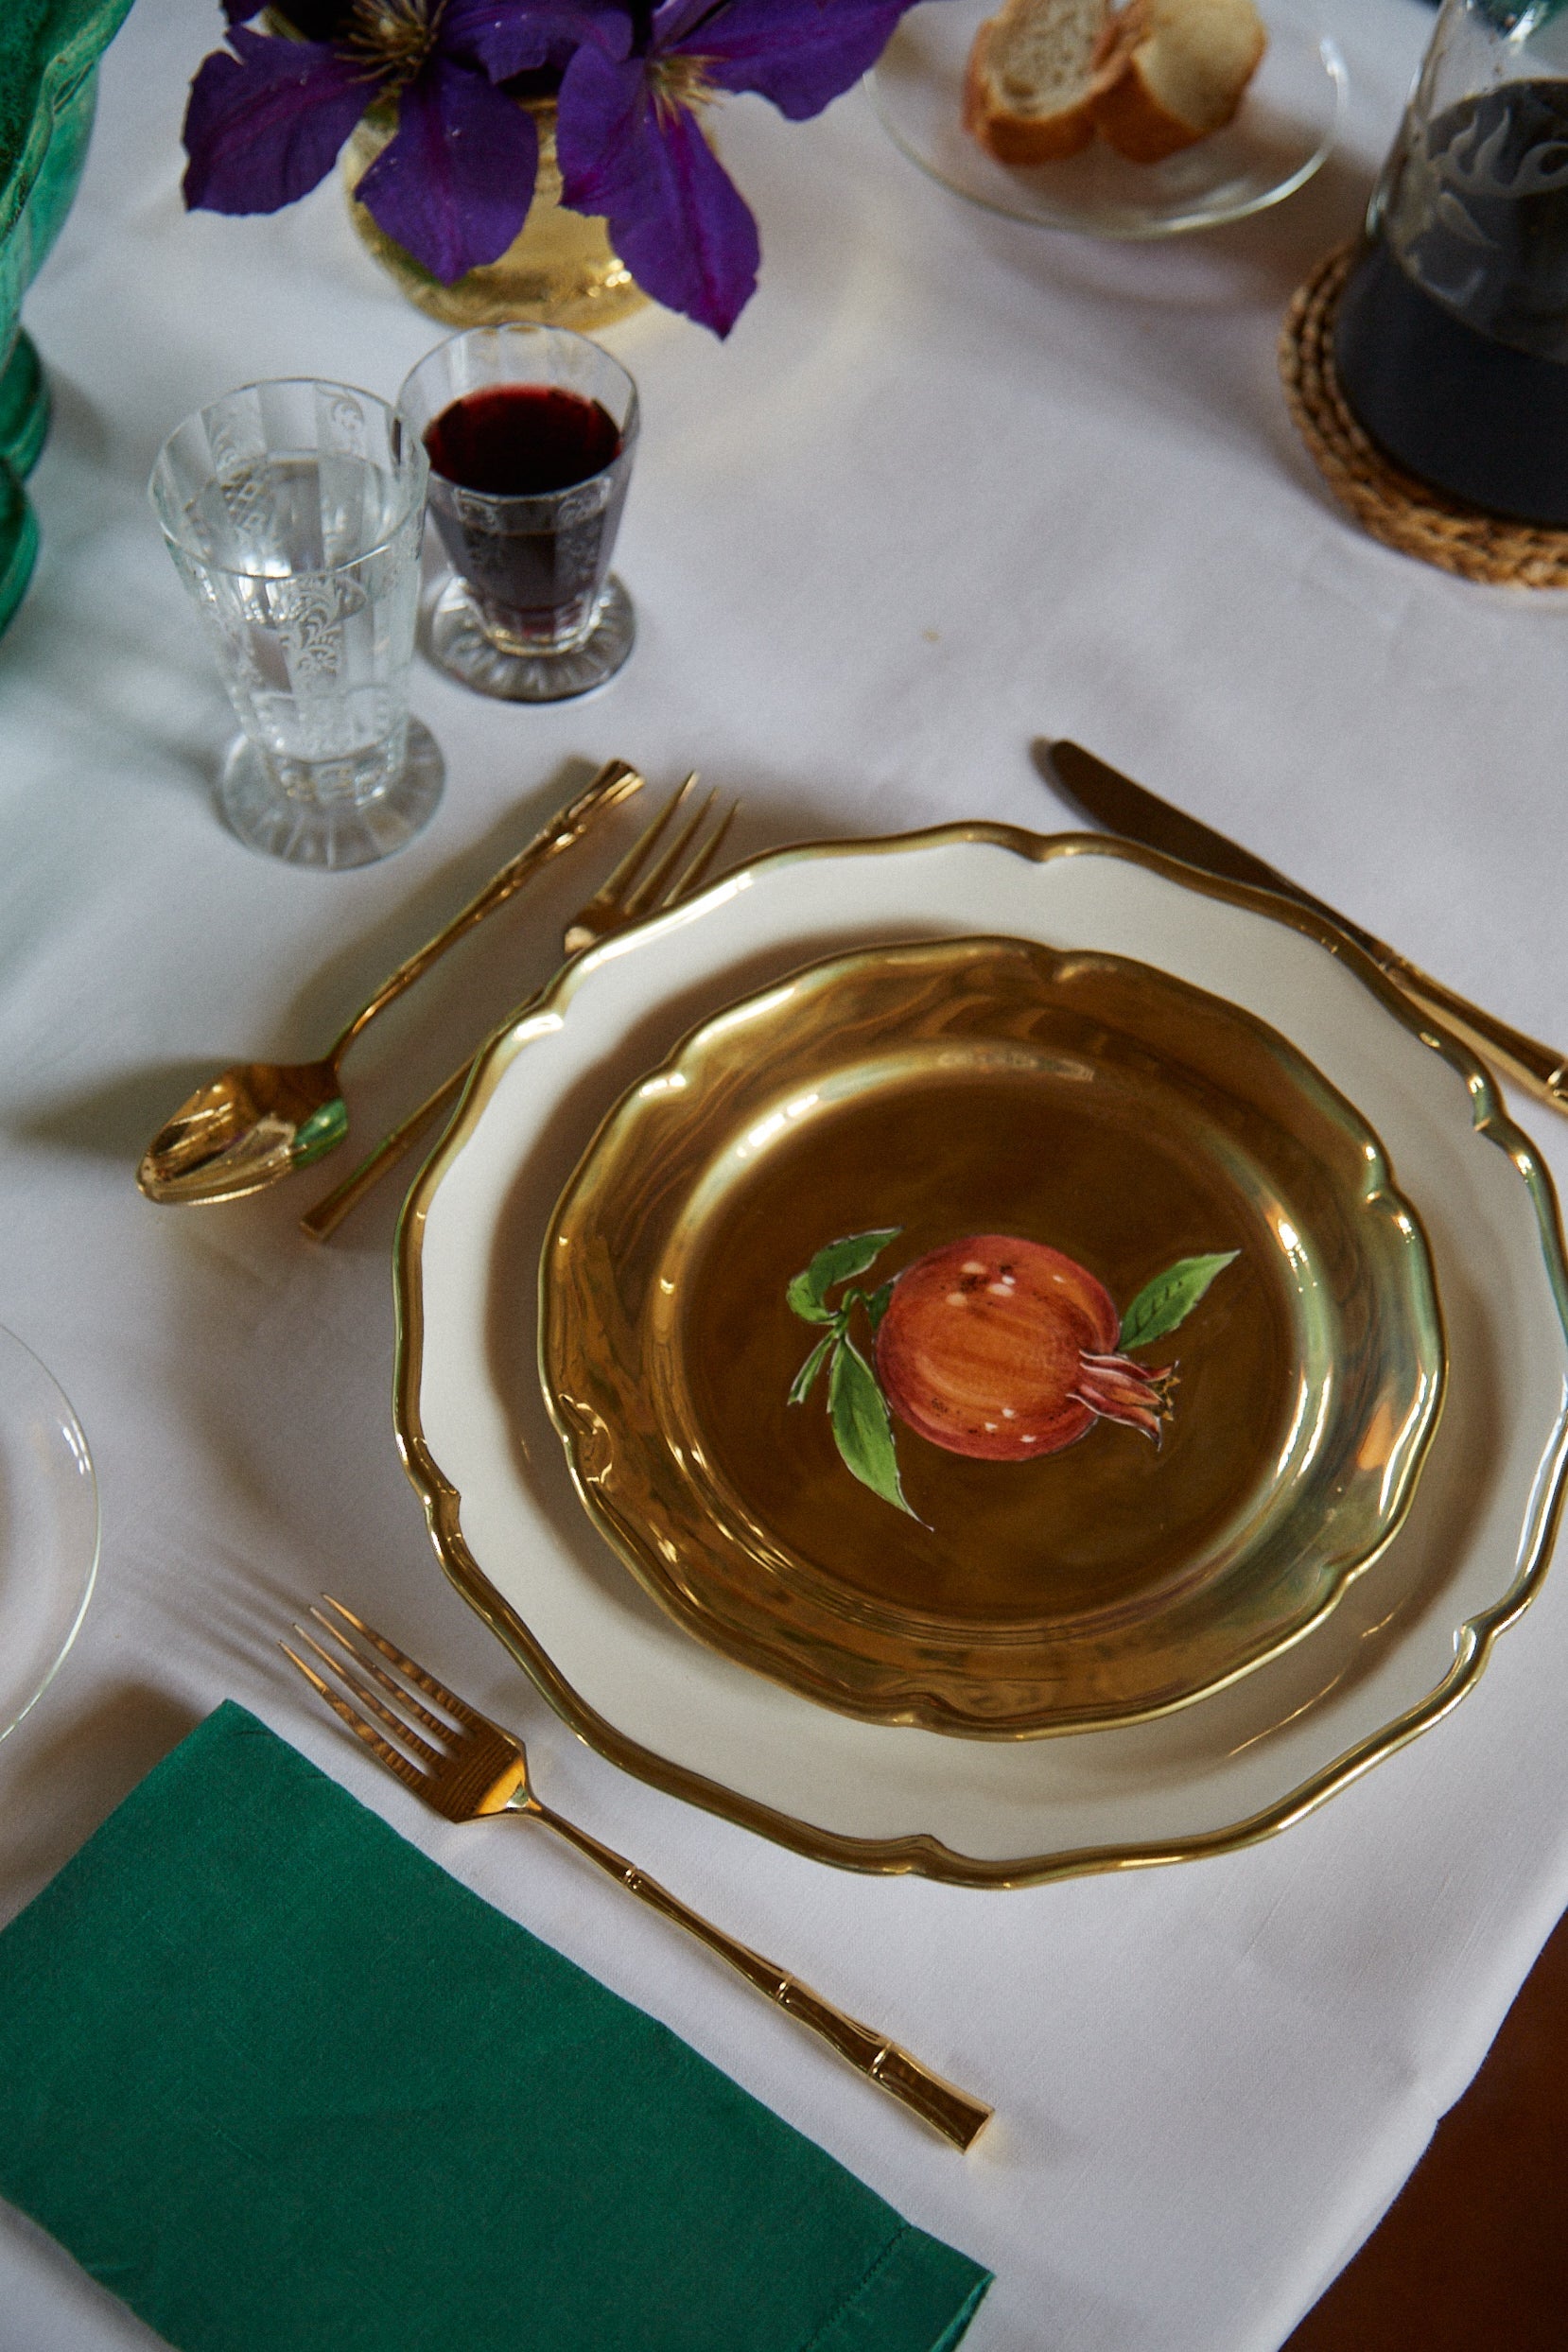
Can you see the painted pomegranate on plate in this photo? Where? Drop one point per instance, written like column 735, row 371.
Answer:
column 1005, row 1349
column 995, row 1347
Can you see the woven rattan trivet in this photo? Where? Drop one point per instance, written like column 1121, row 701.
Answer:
column 1393, row 506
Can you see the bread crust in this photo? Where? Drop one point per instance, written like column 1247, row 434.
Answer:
column 1015, row 138
column 1126, row 110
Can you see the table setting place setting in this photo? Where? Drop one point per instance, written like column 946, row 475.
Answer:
column 776, row 965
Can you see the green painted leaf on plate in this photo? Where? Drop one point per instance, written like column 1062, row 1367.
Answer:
column 861, row 1426
column 807, row 1293
column 801, row 1387
column 1167, row 1300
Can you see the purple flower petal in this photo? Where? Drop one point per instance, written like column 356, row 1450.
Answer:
column 237, row 11
column 454, row 183
column 676, row 218
column 799, row 53
column 265, row 127
column 596, row 116
column 507, row 37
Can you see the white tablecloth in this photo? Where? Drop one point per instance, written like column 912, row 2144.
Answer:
column 954, row 483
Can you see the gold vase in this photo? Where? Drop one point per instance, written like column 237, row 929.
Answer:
column 560, row 269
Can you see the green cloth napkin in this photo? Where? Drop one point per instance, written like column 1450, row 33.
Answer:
column 280, row 2082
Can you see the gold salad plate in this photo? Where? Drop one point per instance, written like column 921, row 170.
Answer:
column 978, row 1336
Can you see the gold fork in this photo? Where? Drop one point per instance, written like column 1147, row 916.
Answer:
column 464, row 1767
column 634, row 888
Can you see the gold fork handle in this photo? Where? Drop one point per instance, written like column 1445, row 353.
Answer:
column 616, row 781
column 948, row 2109
column 322, row 1221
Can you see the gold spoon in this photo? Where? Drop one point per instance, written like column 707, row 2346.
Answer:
column 260, row 1120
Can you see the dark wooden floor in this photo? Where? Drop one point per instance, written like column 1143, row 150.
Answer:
column 1473, row 2256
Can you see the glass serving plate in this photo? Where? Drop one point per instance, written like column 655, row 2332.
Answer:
column 1119, row 1361
column 1285, row 127
column 48, row 1529
column 1402, row 1646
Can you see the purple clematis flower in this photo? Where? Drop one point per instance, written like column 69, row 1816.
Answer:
column 632, row 146
column 454, row 183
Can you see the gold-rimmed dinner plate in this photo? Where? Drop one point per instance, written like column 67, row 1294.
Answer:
column 991, row 1339
column 1402, row 1646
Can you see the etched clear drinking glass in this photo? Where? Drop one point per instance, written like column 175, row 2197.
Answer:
column 530, row 432
column 293, row 512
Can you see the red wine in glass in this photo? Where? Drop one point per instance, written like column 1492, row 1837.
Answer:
column 527, row 497
column 521, row 441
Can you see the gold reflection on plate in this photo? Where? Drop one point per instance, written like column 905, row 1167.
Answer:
column 825, row 1277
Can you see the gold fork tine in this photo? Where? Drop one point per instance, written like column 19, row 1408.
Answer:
column 418, row 1675
column 422, row 1751
column 646, row 894
column 618, row 900
column 444, row 1731
column 613, row 894
column 626, row 868
column 685, row 884
column 383, row 1749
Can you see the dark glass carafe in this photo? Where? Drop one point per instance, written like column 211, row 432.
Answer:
column 1451, row 341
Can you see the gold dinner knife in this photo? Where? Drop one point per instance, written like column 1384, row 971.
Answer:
column 1123, row 806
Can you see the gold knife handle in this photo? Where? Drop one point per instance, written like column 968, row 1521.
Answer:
column 615, row 781
column 1536, row 1066
column 947, row 2109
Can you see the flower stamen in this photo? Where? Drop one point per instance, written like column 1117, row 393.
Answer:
column 392, row 37
column 679, row 81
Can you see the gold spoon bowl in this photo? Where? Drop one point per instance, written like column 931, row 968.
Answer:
column 244, row 1129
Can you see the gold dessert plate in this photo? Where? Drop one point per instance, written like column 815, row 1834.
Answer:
column 978, row 1336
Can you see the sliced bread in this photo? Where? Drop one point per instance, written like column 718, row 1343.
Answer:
column 1174, row 72
column 1033, row 78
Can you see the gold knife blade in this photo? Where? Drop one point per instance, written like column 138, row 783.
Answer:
column 1123, row 806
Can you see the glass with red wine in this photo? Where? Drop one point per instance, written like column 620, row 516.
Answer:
column 530, row 431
